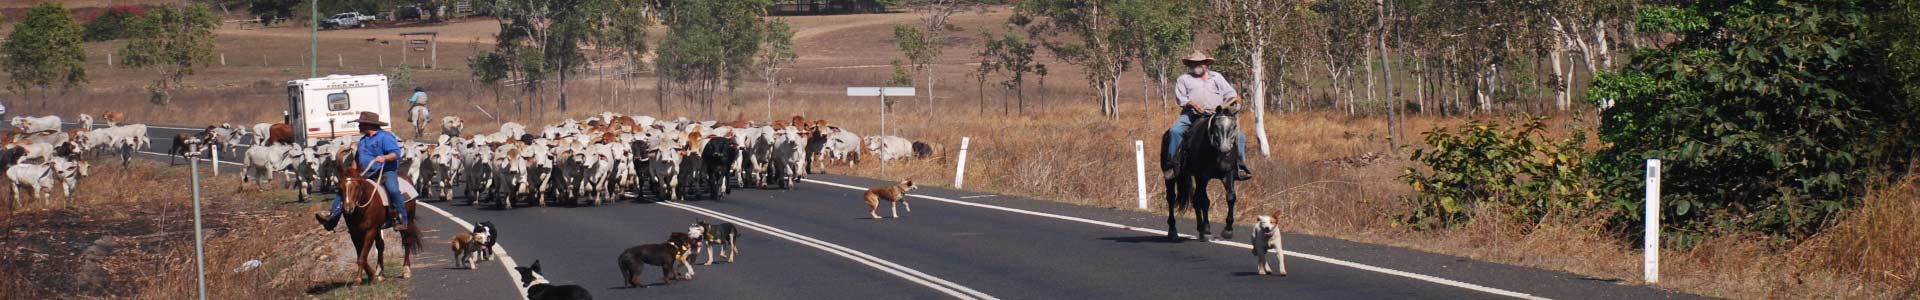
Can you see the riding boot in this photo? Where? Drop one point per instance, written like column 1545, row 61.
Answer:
column 1241, row 173
column 326, row 221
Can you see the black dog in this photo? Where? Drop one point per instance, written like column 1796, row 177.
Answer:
column 539, row 289
column 486, row 247
column 716, row 235
column 665, row 255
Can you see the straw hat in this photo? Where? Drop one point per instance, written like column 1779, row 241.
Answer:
column 1198, row 57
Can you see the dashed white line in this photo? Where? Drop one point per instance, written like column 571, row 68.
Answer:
column 1324, row 259
column 942, row 285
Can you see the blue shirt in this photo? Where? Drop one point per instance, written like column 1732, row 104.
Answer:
column 418, row 98
column 380, row 143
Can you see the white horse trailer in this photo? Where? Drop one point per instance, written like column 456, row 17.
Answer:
column 322, row 107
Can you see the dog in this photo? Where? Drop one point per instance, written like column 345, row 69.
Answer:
column 896, row 195
column 1266, row 236
column 717, row 235
column 467, row 246
column 539, row 289
column 486, row 246
column 665, row 255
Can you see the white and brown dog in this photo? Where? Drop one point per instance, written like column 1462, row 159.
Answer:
column 1266, row 236
column 468, row 247
column 896, row 195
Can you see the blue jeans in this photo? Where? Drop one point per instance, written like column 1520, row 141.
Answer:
column 394, row 199
column 1178, row 132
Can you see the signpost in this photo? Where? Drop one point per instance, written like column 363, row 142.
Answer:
column 1651, row 267
column 881, row 92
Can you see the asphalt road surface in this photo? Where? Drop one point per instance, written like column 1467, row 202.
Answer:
column 814, row 242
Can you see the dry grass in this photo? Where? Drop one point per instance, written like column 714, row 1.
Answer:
column 1059, row 150
column 129, row 235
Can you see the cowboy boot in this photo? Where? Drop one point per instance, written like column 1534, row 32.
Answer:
column 326, row 221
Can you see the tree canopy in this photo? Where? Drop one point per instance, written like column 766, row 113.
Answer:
column 44, row 50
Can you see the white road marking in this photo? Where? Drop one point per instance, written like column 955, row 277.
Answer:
column 942, row 285
column 500, row 249
column 1324, row 259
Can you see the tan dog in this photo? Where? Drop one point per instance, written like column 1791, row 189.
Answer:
column 895, row 194
column 465, row 249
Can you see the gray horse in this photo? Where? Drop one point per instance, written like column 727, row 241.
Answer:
column 1207, row 154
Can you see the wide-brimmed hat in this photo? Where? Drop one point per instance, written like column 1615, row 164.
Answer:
column 369, row 118
column 1198, row 57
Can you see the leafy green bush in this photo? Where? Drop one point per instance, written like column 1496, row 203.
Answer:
column 1509, row 167
column 1770, row 116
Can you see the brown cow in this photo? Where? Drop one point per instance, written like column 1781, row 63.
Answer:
column 280, row 133
column 113, row 118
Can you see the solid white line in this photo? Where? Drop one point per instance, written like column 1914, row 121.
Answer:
column 942, row 285
column 1324, row 259
column 500, row 249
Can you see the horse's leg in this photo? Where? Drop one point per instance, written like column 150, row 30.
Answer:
column 360, row 246
column 1202, row 208
column 1173, row 209
column 380, row 259
column 1232, row 203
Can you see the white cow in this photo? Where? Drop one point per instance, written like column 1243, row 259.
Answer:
column 261, row 132
column 452, row 126
column 40, row 179
column 86, row 121
column 842, row 145
column 889, row 147
column 789, row 155
column 262, row 161
column 37, row 124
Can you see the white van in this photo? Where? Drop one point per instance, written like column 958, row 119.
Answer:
column 322, row 107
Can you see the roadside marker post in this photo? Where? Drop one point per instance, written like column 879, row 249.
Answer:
column 216, row 160
column 199, row 241
column 1652, row 247
column 881, row 92
column 960, row 173
column 1140, row 171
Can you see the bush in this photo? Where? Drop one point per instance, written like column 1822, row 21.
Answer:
column 1770, row 117
column 1512, row 168
column 112, row 25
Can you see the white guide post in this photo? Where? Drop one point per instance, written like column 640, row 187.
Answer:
column 960, row 172
column 1652, row 247
column 216, row 160
column 1140, row 171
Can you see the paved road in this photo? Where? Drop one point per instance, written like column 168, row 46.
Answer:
column 813, row 242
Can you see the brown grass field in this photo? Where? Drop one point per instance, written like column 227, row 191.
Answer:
column 1324, row 172
column 128, row 234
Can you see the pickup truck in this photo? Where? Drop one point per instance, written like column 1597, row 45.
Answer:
column 347, row 20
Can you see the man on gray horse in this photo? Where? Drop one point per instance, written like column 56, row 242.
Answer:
column 1200, row 92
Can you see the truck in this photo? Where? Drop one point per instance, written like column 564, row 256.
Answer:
column 322, row 107
column 347, row 20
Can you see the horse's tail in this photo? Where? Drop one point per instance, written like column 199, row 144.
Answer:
column 1177, row 199
column 410, row 237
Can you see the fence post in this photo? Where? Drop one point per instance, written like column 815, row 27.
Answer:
column 216, row 160
column 223, row 59
column 199, row 241
column 1652, row 247
column 340, row 59
column 960, row 173
column 1140, row 171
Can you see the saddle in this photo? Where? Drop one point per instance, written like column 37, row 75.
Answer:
column 1187, row 138
column 407, row 191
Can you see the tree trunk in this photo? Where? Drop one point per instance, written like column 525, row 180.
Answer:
column 1386, row 68
column 1257, row 57
column 1560, row 96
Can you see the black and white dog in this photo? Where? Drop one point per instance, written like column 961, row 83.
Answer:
column 717, row 235
column 668, row 256
column 1266, row 236
column 539, row 289
column 486, row 245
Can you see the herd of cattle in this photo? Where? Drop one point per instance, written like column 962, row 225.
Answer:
column 574, row 162
column 38, row 156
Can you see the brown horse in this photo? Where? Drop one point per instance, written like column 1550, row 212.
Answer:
column 366, row 215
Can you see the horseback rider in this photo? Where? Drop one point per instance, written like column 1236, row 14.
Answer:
column 418, row 99
column 378, row 148
column 1200, row 92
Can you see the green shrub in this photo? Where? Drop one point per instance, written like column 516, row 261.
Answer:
column 112, row 25
column 1509, row 167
